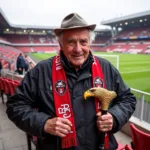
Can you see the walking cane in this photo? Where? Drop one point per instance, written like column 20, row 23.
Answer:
column 105, row 97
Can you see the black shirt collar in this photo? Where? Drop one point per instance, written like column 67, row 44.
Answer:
column 69, row 68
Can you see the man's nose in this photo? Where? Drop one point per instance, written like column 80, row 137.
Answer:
column 78, row 47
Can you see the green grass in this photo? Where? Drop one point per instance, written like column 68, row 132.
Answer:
column 42, row 56
column 134, row 68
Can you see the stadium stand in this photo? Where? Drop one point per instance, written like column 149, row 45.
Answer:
column 131, row 34
column 139, row 31
column 38, row 49
column 27, row 38
column 127, row 48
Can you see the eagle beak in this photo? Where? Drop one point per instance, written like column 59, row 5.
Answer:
column 88, row 94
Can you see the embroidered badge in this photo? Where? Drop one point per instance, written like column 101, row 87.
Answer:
column 60, row 87
column 98, row 82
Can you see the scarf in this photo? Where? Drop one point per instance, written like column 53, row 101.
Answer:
column 62, row 100
column 98, row 81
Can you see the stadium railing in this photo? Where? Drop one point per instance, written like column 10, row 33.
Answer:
column 142, row 106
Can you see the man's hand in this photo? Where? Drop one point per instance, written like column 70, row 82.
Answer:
column 104, row 122
column 58, row 126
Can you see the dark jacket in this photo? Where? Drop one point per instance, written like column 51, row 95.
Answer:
column 35, row 91
column 1, row 67
column 20, row 62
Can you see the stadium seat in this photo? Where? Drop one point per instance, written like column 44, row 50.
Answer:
column 4, row 85
column 7, row 89
column 11, row 88
column 127, row 147
column 2, row 89
column 13, row 85
column 1, row 84
column 140, row 140
column 122, row 147
column 7, row 86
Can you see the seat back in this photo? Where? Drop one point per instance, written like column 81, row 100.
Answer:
column 140, row 140
column 11, row 88
column 127, row 147
column 6, row 90
column 123, row 147
column 120, row 146
column 8, row 86
column 2, row 84
column 5, row 85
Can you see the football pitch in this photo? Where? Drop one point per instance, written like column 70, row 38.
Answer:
column 134, row 68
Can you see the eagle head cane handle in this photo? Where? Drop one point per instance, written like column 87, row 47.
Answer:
column 105, row 96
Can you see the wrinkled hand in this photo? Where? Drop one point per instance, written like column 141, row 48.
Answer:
column 104, row 122
column 58, row 126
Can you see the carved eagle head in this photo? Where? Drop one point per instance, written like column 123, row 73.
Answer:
column 103, row 95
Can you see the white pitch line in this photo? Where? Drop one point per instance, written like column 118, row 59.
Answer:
column 134, row 71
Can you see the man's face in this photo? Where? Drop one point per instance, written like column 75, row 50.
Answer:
column 76, row 46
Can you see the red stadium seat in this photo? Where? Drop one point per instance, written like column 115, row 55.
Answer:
column 8, row 86
column 5, row 85
column 1, row 84
column 7, row 89
column 127, row 147
column 122, row 147
column 11, row 88
column 140, row 140
column 2, row 89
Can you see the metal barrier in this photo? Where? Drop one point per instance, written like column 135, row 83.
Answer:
column 12, row 75
column 142, row 111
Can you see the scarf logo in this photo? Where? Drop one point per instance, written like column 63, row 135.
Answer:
column 98, row 82
column 60, row 87
column 65, row 110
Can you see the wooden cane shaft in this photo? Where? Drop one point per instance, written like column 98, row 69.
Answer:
column 102, row 135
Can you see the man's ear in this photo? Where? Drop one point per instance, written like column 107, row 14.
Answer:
column 60, row 44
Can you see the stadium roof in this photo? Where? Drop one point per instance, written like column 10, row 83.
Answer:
column 3, row 20
column 133, row 20
column 5, row 23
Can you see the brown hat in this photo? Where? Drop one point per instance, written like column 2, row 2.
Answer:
column 73, row 21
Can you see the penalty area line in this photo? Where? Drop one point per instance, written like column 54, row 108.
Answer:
column 135, row 71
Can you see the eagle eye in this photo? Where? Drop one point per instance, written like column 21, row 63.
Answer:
column 92, row 90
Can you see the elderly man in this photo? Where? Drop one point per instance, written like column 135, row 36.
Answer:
column 56, row 86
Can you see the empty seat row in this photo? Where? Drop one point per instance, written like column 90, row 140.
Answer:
column 7, row 86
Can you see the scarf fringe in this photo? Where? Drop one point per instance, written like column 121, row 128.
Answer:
column 66, row 143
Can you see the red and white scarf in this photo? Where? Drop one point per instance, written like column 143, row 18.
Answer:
column 62, row 100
